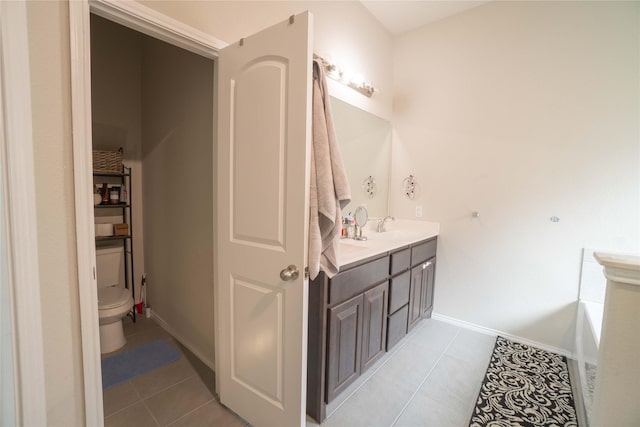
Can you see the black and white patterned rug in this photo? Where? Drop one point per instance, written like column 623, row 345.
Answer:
column 525, row 386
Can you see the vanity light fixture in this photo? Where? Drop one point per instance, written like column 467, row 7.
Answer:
column 354, row 81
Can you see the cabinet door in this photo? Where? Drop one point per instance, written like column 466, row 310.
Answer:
column 345, row 345
column 426, row 298
column 374, row 330
column 415, row 297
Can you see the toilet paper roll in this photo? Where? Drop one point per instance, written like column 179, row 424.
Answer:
column 104, row 230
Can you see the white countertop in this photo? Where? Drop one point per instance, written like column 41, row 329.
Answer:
column 401, row 232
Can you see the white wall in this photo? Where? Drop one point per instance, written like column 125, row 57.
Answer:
column 178, row 196
column 521, row 111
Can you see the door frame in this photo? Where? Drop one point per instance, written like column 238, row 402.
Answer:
column 16, row 146
column 152, row 23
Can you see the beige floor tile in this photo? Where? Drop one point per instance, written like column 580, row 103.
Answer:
column 119, row 397
column 134, row 416
column 178, row 400
column 142, row 324
column 409, row 366
column 143, row 337
column 204, row 372
column 472, row 346
column 213, row 414
column 376, row 404
column 433, row 335
column 162, row 378
column 364, row 377
column 454, row 382
column 424, row 412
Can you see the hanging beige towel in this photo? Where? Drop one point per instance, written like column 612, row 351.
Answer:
column 329, row 191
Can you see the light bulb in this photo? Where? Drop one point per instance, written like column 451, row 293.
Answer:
column 347, row 76
column 357, row 80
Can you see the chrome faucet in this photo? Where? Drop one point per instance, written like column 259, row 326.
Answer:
column 380, row 227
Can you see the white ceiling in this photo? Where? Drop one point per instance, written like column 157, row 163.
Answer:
column 401, row 16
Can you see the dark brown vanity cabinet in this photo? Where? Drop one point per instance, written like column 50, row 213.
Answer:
column 357, row 337
column 414, row 299
column 426, row 295
column 345, row 345
column 347, row 328
column 360, row 313
column 400, row 284
column 374, row 325
column 423, row 263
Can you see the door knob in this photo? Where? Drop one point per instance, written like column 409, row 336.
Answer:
column 290, row 273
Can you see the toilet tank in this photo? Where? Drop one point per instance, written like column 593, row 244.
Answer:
column 110, row 266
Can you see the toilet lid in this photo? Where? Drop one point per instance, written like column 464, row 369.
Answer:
column 112, row 296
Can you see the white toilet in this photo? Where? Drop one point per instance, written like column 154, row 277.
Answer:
column 114, row 300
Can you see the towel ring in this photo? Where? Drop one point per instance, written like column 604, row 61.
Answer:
column 369, row 186
column 409, row 187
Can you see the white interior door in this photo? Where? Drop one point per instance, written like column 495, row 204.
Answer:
column 264, row 123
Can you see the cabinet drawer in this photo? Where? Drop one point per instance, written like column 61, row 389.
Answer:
column 423, row 251
column 399, row 291
column 397, row 326
column 357, row 280
column 400, row 260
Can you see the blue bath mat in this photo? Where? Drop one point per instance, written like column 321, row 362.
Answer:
column 137, row 361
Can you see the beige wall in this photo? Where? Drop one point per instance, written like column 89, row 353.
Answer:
column 53, row 163
column 521, row 111
column 116, row 110
column 343, row 30
column 178, row 196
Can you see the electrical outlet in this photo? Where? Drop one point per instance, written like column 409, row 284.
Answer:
column 418, row 211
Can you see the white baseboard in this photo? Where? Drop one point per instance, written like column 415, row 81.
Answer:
column 494, row 332
column 164, row 325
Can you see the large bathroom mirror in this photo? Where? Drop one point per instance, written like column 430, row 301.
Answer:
column 365, row 144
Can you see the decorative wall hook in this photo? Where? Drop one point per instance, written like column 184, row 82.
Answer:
column 409, row 187
column 369, row 186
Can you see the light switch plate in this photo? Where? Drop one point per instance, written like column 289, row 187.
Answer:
column 418, row 211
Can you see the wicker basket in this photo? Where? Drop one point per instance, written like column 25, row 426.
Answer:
column 107, row 161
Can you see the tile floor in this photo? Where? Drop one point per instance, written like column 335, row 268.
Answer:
column 178, row 394
column 431, row 378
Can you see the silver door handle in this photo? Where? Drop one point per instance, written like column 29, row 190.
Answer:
column 290, row 273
